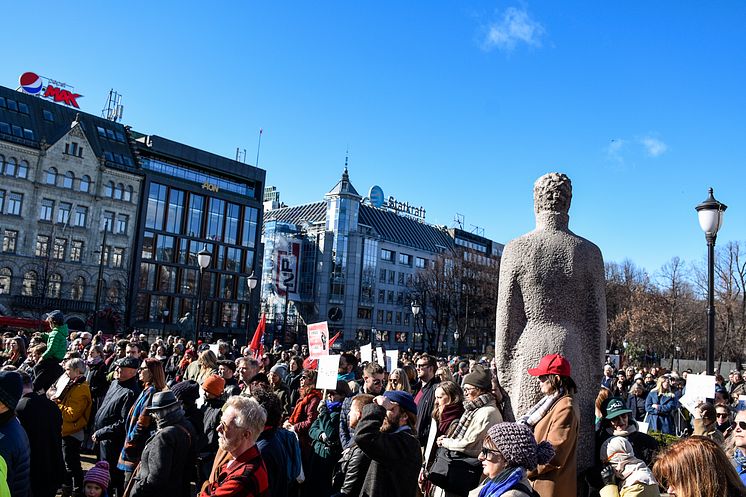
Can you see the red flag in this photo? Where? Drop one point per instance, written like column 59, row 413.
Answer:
column 334, row 339
column 257, row 345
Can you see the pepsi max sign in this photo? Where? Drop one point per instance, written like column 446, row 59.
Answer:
column 33, row 84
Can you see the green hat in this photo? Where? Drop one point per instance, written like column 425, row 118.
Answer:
column 614, row 407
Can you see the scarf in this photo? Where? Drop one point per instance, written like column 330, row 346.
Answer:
column 346, row 377
column 503, row 482
column 740, row 459
column 470, row 409
column 333, row 406
column 631, row 428
column 450, row 413
column 135, row 428
column 94, row 361
column 537, row 413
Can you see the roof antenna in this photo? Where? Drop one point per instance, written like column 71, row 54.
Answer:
column 258, row 146
column 347, row 157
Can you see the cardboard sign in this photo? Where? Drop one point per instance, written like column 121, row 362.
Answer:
column 318, row 340
column 328, row 369
column 380, row 357
column 392, row 360
column 700, row 386
column 643, row 427
column 366, row 353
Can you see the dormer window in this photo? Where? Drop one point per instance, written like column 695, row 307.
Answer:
column 74, row 149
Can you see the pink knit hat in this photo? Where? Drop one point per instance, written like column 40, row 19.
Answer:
column 99, row 474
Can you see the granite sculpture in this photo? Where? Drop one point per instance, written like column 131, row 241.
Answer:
column 551, row 299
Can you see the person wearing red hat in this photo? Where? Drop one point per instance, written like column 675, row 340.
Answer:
column 555, row 419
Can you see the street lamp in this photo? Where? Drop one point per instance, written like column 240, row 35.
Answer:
column 678, row 358
column 203, row 260
column 415, row 311
column 251, row 282
column 710, row 213
column 456, row 336
column 165, row 312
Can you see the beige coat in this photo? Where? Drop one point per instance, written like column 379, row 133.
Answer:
column 558, row 478
column 471, row 443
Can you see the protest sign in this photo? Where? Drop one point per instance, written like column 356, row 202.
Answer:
column 392, row 360
column 328, row 370
column 318, row 340
column 366, row 353
column 380, row 357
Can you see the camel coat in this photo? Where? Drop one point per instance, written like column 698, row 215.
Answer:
column 558, row 478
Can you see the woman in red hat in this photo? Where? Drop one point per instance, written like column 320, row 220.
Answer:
column 555, row 419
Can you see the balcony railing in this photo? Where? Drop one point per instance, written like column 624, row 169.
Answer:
column 44, row 304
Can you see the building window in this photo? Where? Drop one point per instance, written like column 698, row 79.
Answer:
column 104, row 258
column 175, row 211
column 390, row 297
column 77, row 290
column 379, row 316
column 42, row 246
column 421, row 262
column 85, row 184
column 117, row 257
column 2, row 201
column 392, row 276
column 195, row 215
column 51, row 176
column 63, row 212
column 113, row 292
column 46, row 209
column 400, row 281
column 389, row 317
column 397, row 318
column 22, row 171
column 10, row 166
column 156, row 206
column 109, row 189
column 122, row 223
column 48, row 116
column 382, row 276
column 406, row 319
column 68, row 179
column 248, row 233
column 387, row 255
column 10, row 239
column 363, row 313
column 107, row 221
column 381, row 296
column 405, row 259
column 127, row 196
column 74, row 149
column 6, row 276
column 148, row 242
column 29, row 284
column 54, row 286
column 59, row 249
column 118, row 191
column 76, row 251
column 400, row 298
column 231, row 223
column 215, row 219
column 15, row 203
column 81, row 216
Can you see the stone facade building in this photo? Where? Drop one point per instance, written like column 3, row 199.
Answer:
column 66, row 178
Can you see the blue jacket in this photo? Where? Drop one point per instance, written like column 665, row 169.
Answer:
column 14, row 448
column 740, row 469
column 661, row 418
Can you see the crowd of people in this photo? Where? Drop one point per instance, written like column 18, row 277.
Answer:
column 169, row 417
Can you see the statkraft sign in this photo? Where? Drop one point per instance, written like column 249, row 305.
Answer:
column 39, row 86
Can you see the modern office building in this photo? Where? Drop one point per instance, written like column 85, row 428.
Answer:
column 193, row 201
column 69, row 191
column 353, row 262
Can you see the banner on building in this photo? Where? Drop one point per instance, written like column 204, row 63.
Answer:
column 288, row 269
column 318, row 340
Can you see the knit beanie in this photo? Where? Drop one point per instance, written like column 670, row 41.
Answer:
column 518, row 446
column 186, row 391
column 99, row 474
column 479, row 378
column 11, row 389
column 214, row 384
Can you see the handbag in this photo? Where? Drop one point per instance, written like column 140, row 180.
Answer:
column 455, row 471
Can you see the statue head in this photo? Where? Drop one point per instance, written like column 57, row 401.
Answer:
column 553, row 192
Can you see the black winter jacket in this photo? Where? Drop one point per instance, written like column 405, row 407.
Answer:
column 350, row 472
column 395, row 457
column 42, row 420
column 110, row 419
column 425, row 409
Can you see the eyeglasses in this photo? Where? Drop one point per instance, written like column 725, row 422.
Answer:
column 486, row 452
column 468, row 390
column 423, row 366
column 722, row 415
column 376, row 382
column 544, row 378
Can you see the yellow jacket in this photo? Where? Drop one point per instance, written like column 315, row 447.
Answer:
column 75, row 408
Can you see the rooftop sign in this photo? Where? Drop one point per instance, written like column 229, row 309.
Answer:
column 33, row 84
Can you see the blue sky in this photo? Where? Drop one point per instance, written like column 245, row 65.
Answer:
column 455, row 106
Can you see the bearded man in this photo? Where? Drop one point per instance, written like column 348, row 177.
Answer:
column 385, row 433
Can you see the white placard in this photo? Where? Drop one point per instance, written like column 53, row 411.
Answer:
column 328, row 370
column 700, row 386
column 431, row 439
column 392, row 360
column 380, row 357
column 215, row 349
column 690, row 402
column 366, row 353
column 318, row 340
column 643, row 427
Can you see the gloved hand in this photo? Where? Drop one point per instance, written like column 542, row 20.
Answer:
column 608, row 476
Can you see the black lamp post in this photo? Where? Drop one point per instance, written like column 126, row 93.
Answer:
column 164, row 312
column 203, row 260
column 251, row 282
column 456, row 336
column 415, row 311
column 710, row 213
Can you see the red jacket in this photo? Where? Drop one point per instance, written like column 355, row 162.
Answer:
column 245, row 476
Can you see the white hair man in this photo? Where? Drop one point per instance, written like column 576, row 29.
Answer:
column 239, row 469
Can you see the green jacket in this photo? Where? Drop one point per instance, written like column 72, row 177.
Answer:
column 56, row 343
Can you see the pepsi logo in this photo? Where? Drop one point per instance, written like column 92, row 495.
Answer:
column 30, row 82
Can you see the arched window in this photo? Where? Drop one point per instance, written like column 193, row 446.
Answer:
column 112, row 293
column 5, row 277
column 85, row 184
column 68, row 179
column 77, row 290
column 2, row 163
column 23, row 170
column 119, row 191
column 10, row 167
column 29, row 284
column 127, row 194
column 54, row 286
column 51, row 176
column 109, row 190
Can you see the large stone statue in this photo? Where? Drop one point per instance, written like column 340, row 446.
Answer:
column 552, row 299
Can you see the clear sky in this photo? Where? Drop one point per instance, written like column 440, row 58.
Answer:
column 455, row 106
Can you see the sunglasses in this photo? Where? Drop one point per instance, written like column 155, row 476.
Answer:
column 722, row 415
column 486, row 452
column 741, row 425
column 544, row 377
